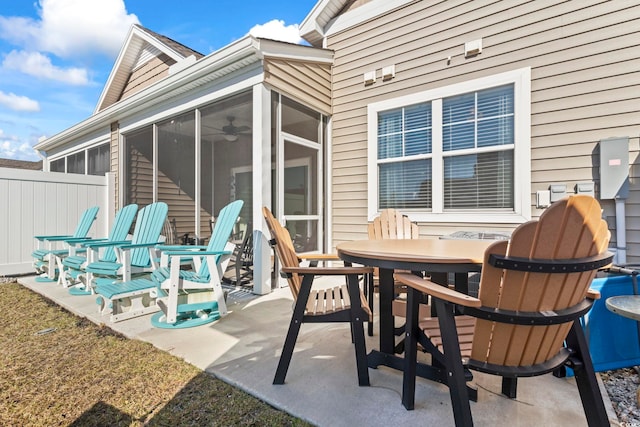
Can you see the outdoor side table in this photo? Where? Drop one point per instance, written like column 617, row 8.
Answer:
column 625, row 305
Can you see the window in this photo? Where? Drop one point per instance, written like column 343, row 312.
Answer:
column 404, row 157
column 451, row 154
column 57, row 165
column 75, row 163
column 99, row 160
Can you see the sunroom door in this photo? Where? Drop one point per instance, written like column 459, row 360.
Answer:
column 299, row 191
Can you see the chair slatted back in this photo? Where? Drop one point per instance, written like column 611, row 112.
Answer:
column 569, row 229
column 86, row 221
column 121, row 226
column 222, row 230
column 149, row 223
column 392, row 224
column 284, row 249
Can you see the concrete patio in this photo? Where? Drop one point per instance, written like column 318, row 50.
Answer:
column 321, row 387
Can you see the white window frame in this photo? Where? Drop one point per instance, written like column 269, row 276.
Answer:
column 521, row 80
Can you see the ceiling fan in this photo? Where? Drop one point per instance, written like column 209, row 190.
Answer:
column 231, row 132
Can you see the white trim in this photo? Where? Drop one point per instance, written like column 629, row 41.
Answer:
column 521, row 78
column 163, row 112
column 215, row 67
column 197, row 171
column 154, row 166
column 327, row 142
column 362, row 13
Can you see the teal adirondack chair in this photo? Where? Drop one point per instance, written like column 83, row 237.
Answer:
column 189, row 298
column 71, row 266
column 132, row 257
column 139, row 296
column 47, row 246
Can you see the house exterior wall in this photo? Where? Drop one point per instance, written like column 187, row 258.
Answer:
column 152, row 71
column 305, row 81
column 584, row 88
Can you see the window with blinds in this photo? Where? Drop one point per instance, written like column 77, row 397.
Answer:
column 474, row 151
column 404, row 157
column 477, row 144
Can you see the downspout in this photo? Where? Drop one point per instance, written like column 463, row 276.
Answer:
column 614, row 185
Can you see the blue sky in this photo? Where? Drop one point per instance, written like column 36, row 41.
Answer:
column 56, row 55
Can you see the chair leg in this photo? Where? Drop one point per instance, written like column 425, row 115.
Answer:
column 357, row 329
column 370, row 296
column 411, row 350
column 586, row 378
column 294, row 329
column 454, row 369
column 509, row 387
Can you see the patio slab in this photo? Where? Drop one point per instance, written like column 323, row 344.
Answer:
column 321, row 385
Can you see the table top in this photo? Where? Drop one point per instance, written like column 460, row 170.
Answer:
column 625, row 305
column 410, row 253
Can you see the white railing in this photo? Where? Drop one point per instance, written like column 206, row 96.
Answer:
column 46, row 203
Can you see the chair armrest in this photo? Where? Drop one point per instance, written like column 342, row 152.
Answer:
column 436, row 290
column 130, row 245
column 593, row 294
column 107, row 243
column 327, row 271
column 82, row 240
column 60, row 237
column 165, row 248
column 319, row 257
column 196, row 253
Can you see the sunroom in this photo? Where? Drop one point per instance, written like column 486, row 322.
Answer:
column 248, row 121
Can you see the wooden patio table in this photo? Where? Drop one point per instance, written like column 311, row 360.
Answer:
column 438, row 257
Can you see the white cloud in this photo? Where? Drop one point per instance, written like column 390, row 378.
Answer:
column 12, row 147
column 72, row 28
column 18, row 103
column 277, row 30
column 39, row 65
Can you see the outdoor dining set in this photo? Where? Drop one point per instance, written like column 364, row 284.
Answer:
column 523, row 321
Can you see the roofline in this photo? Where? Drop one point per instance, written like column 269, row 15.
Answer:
column 238, row 54
column 323, row 20
column 312, row 28
column 137, row 31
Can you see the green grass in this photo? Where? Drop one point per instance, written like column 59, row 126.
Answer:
column 83, row 374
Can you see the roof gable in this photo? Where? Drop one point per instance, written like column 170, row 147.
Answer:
column 141, row 47
column 329, row 16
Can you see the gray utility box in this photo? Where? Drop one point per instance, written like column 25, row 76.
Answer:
column 614, row 168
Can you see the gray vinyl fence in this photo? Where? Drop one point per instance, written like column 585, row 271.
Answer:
column 46, row 203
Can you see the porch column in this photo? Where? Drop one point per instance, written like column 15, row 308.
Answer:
column 262, row 283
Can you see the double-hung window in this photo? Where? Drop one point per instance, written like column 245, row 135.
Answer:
column 459, row 153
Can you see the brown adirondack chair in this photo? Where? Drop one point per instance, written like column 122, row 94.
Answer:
column 526, row 319
column 390, row 224
column 340, row 303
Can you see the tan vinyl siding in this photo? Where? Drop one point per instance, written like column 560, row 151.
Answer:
column 140, row 178
column 152, row 71
column 585, row 79
column 307, row 82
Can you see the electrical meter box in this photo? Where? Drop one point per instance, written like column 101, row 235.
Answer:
column 614, row 168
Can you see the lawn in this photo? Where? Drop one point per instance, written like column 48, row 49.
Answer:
column 60, row 369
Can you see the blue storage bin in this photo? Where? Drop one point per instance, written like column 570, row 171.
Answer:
column 613, row 339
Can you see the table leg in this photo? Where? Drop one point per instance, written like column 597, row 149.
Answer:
column 387, row 337
column 440, row 279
